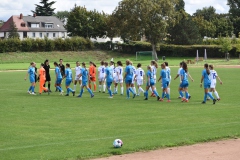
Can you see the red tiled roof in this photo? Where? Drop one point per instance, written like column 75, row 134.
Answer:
column 17, row 21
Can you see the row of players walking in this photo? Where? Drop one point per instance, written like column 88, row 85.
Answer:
column 109, row 74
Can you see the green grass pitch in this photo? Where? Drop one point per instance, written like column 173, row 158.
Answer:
column 57, row 127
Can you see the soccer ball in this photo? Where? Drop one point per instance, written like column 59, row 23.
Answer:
column 117, row 143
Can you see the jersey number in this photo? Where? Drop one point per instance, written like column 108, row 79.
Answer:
column 102, row 70
column 214, row 76
column 141, row 73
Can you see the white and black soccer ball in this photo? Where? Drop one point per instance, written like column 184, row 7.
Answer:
column 117, row 143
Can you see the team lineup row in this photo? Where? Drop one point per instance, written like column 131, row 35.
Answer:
column 109, row 74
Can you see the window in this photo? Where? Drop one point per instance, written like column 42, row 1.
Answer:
column 23, row 24
column 34, row 25
column 33, row 34
column 47, row 34
column 54, row 34
column 63, row 35
column 49, row 25
column 40, row 35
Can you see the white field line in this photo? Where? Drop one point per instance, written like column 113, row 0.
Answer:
column 112, row 137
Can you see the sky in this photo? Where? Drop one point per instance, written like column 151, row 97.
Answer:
column 15, row 7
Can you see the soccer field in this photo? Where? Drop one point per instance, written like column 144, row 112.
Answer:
column 59, row 127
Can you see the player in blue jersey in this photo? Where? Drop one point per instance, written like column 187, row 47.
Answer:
column 109, row 78
column 184, row 74
column 150, row 83
column 128, row 77
column 207, row 83
column 164, row 76
column 58, row 78
column 31, row 73
column 69, row 80
column 85, row 77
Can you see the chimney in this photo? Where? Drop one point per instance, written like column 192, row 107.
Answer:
column 34, row 15
column 21, row 16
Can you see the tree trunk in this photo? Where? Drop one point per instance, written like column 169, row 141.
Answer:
column 154, row 52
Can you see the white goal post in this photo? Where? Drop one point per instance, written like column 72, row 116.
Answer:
column 140, row 54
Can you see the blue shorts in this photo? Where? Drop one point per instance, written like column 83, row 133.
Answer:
column 109, row 84
column 128, row 81
column 206, row 86
column 68, row 82
column 32, row 80
column 151, row 83
column 184, row 85
column 58, row 81
column 84, row 83
column 165, row 84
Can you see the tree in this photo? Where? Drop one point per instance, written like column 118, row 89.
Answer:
column 180, row 5
column 62, row 15
column 136, row 18
column 1, row 22
column 86, row 23
column 206, row 28
column 13, row 31
column 234, row 12
column 45, row 8
column 226, row 46
column 208, row 13
column 224, row 25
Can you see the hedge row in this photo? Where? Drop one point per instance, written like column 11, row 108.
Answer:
column 213, row 51
column 39, row 45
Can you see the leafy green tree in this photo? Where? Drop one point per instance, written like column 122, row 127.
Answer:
column 13, row 31
column 206, row 28
column 1, row 22
column 136, row 18
column 224, row 25
column 208, row 13
column 45, row 8
column 62, row 15
column 180, row 5
column 234, row 13
column 82, row 22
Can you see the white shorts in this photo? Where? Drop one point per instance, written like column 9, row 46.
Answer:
column 213, row 85
column 116, row 80
column 101, row 79
column 139, row 82
column 77, row 78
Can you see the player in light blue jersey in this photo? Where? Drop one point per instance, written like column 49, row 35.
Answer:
column 128, row 77
column 109, row 78
column 85, row 77
column 184, row 82
column 150, row 83
column 58, row 78
column 31, row 73
column 69, row 80
column 207, row 83
column 164, row 76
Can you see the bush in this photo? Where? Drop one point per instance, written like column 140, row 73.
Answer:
column 27, row 45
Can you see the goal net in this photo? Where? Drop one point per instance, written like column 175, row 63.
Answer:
column 144, row 55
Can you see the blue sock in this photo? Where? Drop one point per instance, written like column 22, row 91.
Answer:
column 205, row 97
column 59, row 88
column 68, row 91
column 81, row 92
column 168, row 96
column 30, row 88
column 181, row 94
column 187, row 95
column 109, row 91
column 90, row 91
column 146, row 94
column 128, row 93
column 210, row 95
column 131, row 90
column 33, row 89
column 156, row 93
column 163, row 94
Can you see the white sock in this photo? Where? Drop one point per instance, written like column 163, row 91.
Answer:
column 134, row 89
column 100, row 88
column 116, row 89
column 151, row 89
column 104, row 88
column 216, row 94
column 168, row 91
column 121, row 90
column 74, row 87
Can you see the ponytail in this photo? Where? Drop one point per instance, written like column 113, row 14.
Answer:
column 207, row 69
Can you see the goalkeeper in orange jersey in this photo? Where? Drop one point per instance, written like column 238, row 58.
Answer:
column 42, row 79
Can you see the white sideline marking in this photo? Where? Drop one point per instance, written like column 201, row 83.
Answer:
column 96, row 139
